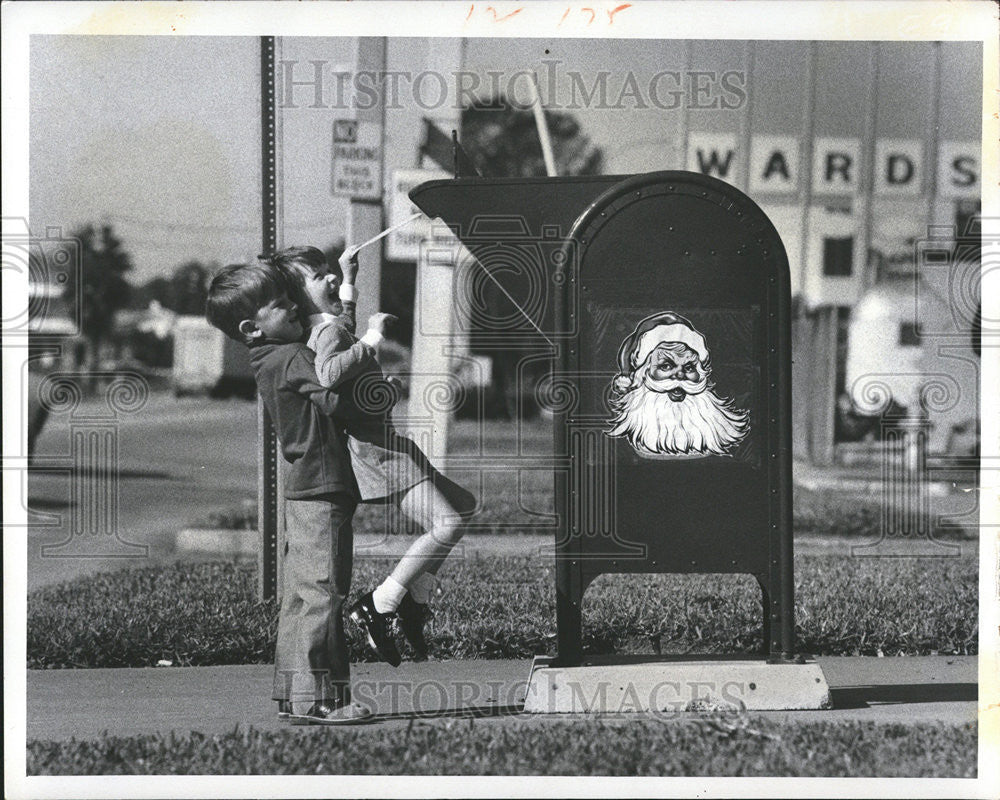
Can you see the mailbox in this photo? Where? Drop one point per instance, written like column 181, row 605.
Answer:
column 667, row 310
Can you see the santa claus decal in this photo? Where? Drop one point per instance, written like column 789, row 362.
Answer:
column 662, row 397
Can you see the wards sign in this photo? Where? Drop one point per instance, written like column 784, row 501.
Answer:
column 898, row 170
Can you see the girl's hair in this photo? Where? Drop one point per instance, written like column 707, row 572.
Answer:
column 285, row 261
column 238, row 291
column 310, row 257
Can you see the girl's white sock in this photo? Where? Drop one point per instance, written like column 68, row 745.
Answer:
column 388, row 595
column 423, row 587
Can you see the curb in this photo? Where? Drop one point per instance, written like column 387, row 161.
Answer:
column 217, row 541
column 861, row 486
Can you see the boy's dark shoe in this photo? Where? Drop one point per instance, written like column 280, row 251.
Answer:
column 332, row 714
column 376, row 628
column 412, row 616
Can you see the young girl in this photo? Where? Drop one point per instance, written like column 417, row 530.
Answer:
column 389, row 468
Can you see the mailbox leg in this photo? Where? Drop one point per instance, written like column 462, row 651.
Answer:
column 765, row 603
column 569, row 626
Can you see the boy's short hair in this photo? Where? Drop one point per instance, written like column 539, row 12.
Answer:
column 238, row 291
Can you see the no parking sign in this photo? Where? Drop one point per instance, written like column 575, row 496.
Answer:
column 357, row 159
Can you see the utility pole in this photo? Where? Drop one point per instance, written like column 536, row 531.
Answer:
column 438, row 337
column 365, row 216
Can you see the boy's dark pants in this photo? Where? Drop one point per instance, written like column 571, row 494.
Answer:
column 312, row 659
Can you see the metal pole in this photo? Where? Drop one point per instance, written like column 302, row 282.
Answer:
column 809, row 273
column 685, row 112
column 806, row 168
column 267, row 451
column 543, row 128
column 746, row 118
column 365, row 218
column 932, row 150
column 868, row 278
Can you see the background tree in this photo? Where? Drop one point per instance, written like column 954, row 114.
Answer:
column 503, row 143
column 189, row 288
column 184, row 292
column 101, row 288
column 157, row 289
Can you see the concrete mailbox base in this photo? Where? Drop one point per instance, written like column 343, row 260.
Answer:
column 688, row 684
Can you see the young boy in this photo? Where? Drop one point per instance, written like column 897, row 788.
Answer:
column 388, row 467
column 250, row 303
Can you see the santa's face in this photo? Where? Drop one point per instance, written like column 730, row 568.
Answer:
column 667, row 408
column 674, row 368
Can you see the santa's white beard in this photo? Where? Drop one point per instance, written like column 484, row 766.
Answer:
column 655, row 424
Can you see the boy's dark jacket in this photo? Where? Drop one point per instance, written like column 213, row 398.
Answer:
column 306, row 418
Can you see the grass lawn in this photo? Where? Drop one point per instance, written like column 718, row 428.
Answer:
column 519, row 501
column 713, row 746
column 504, row 607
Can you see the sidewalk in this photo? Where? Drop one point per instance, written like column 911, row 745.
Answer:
column 83, row 703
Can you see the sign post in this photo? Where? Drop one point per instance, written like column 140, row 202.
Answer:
column 269, row 503
column 672, row 336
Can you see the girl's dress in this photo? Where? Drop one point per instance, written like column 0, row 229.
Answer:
column 386, row 464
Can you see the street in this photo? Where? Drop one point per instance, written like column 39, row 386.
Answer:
column 178, row 461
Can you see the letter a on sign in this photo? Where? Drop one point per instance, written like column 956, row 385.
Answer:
column 774, row 164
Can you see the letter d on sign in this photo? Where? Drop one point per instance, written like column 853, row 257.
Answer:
column 899, row 167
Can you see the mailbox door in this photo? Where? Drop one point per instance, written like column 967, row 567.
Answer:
column 679, row 439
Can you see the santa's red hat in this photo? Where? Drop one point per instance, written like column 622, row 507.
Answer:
column 654, row 330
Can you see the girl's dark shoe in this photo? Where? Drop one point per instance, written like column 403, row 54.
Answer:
column 412, row 617
column 376, row 628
